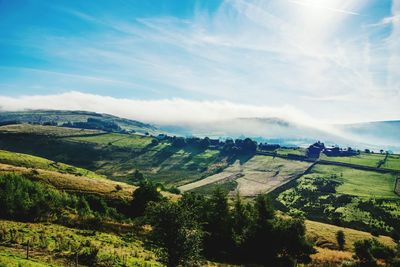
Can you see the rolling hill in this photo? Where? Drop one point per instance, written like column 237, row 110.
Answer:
column 62, row 117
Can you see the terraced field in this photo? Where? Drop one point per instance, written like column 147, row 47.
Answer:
column 260, row 174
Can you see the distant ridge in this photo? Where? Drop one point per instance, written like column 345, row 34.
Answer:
column 78, row 117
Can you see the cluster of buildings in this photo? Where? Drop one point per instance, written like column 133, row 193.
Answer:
column 315, row 150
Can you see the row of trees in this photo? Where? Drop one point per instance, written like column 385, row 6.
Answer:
column 194, row 227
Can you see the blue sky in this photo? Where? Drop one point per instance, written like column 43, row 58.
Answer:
column 326, row 60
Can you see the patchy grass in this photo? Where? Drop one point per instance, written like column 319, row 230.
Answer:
column 363, row 159
column 29, row 161
column 226, row 186
column 12, row 259
column 329, row 257
column 324, row 235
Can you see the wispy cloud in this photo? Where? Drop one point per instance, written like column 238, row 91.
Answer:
column 314, row 56
column 317, row 4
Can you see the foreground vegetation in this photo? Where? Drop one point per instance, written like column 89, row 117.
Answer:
column 344, row 196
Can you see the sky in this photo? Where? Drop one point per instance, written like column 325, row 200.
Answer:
column 170, row 61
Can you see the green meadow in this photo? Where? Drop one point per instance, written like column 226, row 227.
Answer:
column 364, row 159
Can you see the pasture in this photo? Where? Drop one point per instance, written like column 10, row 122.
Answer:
column 392, row 162
column 363, row 159
column 358, row 182
column 292, row 151
column 131, row 141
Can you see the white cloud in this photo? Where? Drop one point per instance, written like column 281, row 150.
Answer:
column 311, row 56
column 164, row 111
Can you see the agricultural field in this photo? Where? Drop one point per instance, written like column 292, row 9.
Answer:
column 392, row 162
column 357, row 182
column 63, row 243
column 130, row 141
column 340, row 195
column 291, row 151
column 260, row 174
column 363, row 159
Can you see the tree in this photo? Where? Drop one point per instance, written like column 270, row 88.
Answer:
column 176, row 232
column 368, row 250
column 218, row 241
column 137, row 176
column 146, row 193
column 340, row 238
column 290, row 245
column 240, row 221
column 204, row 143
column 260, row 232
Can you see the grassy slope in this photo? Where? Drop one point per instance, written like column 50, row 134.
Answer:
column 28, row 161
column 324, row 235
column 73, row 183
column 11, row 258
column 114, row 155
column 57, row 240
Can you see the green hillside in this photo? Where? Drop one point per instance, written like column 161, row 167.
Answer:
column 113, row 154
column 84, row 172
column 340, row 195
column 28, row 161
column 60, row 117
